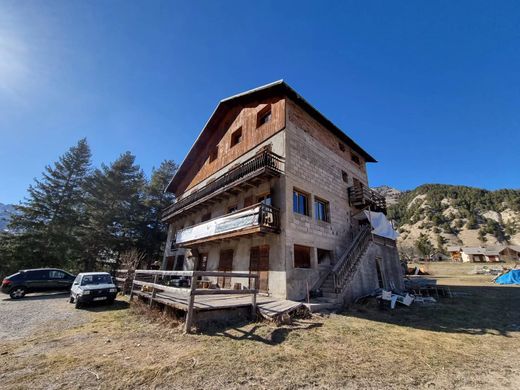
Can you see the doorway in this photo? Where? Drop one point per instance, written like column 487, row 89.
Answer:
column 259, row 264
column 225, row 264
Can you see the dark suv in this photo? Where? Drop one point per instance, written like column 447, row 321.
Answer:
column 36, row 280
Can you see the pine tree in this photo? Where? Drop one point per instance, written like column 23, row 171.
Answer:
column 115, row 210
column 48, row 219
column 156, row 201
column 423, row 245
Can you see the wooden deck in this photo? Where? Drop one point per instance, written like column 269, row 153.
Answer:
column 268, row 306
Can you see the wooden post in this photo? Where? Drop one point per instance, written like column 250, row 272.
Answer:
column 132, row 288
column 253, row 298
column 153, row 290
column 191, row 301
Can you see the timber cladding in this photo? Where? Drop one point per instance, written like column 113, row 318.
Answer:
column 247, row 120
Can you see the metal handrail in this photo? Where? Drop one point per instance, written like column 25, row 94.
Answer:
column 263, row 160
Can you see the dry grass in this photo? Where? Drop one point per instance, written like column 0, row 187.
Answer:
column 469, row 342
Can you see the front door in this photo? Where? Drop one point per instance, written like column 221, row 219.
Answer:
column 225, row 264
column 259, row 264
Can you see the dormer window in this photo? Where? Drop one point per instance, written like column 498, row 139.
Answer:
column 236, row 137
column 264, row 116
column 213, row 155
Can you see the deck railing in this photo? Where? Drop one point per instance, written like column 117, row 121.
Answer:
column 258, row 215
column 258, row 163
column 361, row 195
column 187, row 283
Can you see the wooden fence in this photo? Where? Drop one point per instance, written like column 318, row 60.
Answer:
column 154, row 281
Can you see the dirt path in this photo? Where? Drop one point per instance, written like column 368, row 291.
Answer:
column 37, row 313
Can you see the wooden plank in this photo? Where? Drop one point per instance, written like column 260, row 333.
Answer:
column 164, row 273
column 223, row 292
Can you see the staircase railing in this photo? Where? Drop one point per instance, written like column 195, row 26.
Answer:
column 344, row 269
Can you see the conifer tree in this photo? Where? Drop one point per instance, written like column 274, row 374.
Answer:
column 156, row 201
column 48, row 219
column 115, row 210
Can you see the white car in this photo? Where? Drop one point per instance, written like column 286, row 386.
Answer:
column 93, row 287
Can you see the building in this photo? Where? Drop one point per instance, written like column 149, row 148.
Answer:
column 485, row 254
column 273, row 187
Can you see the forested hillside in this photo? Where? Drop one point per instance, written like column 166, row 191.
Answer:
column 453, row 215
column 79, row 217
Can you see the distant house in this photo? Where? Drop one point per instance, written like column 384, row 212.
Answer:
column 454, row 252
column 485, row 254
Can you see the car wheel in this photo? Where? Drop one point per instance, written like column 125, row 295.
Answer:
column 78, row 304
column 17, row 293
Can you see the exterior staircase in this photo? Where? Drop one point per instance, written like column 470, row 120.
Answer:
column 333, row 283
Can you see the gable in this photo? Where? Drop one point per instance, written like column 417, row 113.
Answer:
column 221, row 149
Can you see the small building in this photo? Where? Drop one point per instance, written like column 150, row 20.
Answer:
column 455, row 253
column 272, row 187
column 479, row 255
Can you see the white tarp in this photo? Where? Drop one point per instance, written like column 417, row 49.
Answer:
column 381, row 226
column 235, row 221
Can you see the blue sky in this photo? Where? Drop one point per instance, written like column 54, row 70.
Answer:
column 430, row 88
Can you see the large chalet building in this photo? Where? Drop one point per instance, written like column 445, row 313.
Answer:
column 273, row 187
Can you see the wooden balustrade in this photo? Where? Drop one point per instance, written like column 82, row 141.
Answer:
column 257, row 164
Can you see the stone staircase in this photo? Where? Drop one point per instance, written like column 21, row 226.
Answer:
column 334, row 282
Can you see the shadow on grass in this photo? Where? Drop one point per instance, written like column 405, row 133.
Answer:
column 474, row 310
column 277, row 336
column 98, row 307
column 40, row 297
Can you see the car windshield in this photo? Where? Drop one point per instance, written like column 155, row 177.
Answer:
column 96, row 279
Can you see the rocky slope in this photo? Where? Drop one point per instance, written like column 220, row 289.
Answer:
column 455, row 215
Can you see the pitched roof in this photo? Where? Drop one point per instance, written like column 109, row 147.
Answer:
column 453, row 248
column 279, row 87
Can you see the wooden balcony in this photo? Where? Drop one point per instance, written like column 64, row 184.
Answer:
column 248, row 174
column 257, row 219
column 362, row 197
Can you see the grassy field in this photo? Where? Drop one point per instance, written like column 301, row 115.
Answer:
column 471, row 341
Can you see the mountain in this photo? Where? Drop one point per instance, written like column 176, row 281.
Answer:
column 391, row 194
column 6, row 210
column 455, row 215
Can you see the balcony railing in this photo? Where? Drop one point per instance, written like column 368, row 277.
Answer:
column 265, row 162
column 259, row 218
column 361, row 196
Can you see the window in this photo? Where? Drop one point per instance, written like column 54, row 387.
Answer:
column 213, row 155
column 324, row 256
column 341, row 146
column 356, row 159
column 302, row 256
column 344, row 176
column 236, row 137
column 56, row 275
column 300, row 203
column 205, row 217
column 321, row 210
column 263, row 116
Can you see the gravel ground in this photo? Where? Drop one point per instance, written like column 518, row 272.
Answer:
column 36, row 313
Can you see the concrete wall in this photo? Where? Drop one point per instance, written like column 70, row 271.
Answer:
column 312, row 167
column 365, row 281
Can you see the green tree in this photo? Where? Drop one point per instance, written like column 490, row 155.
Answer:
column 48, row 220
column 115, row 210
column 156, row 201
column 423, row 245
